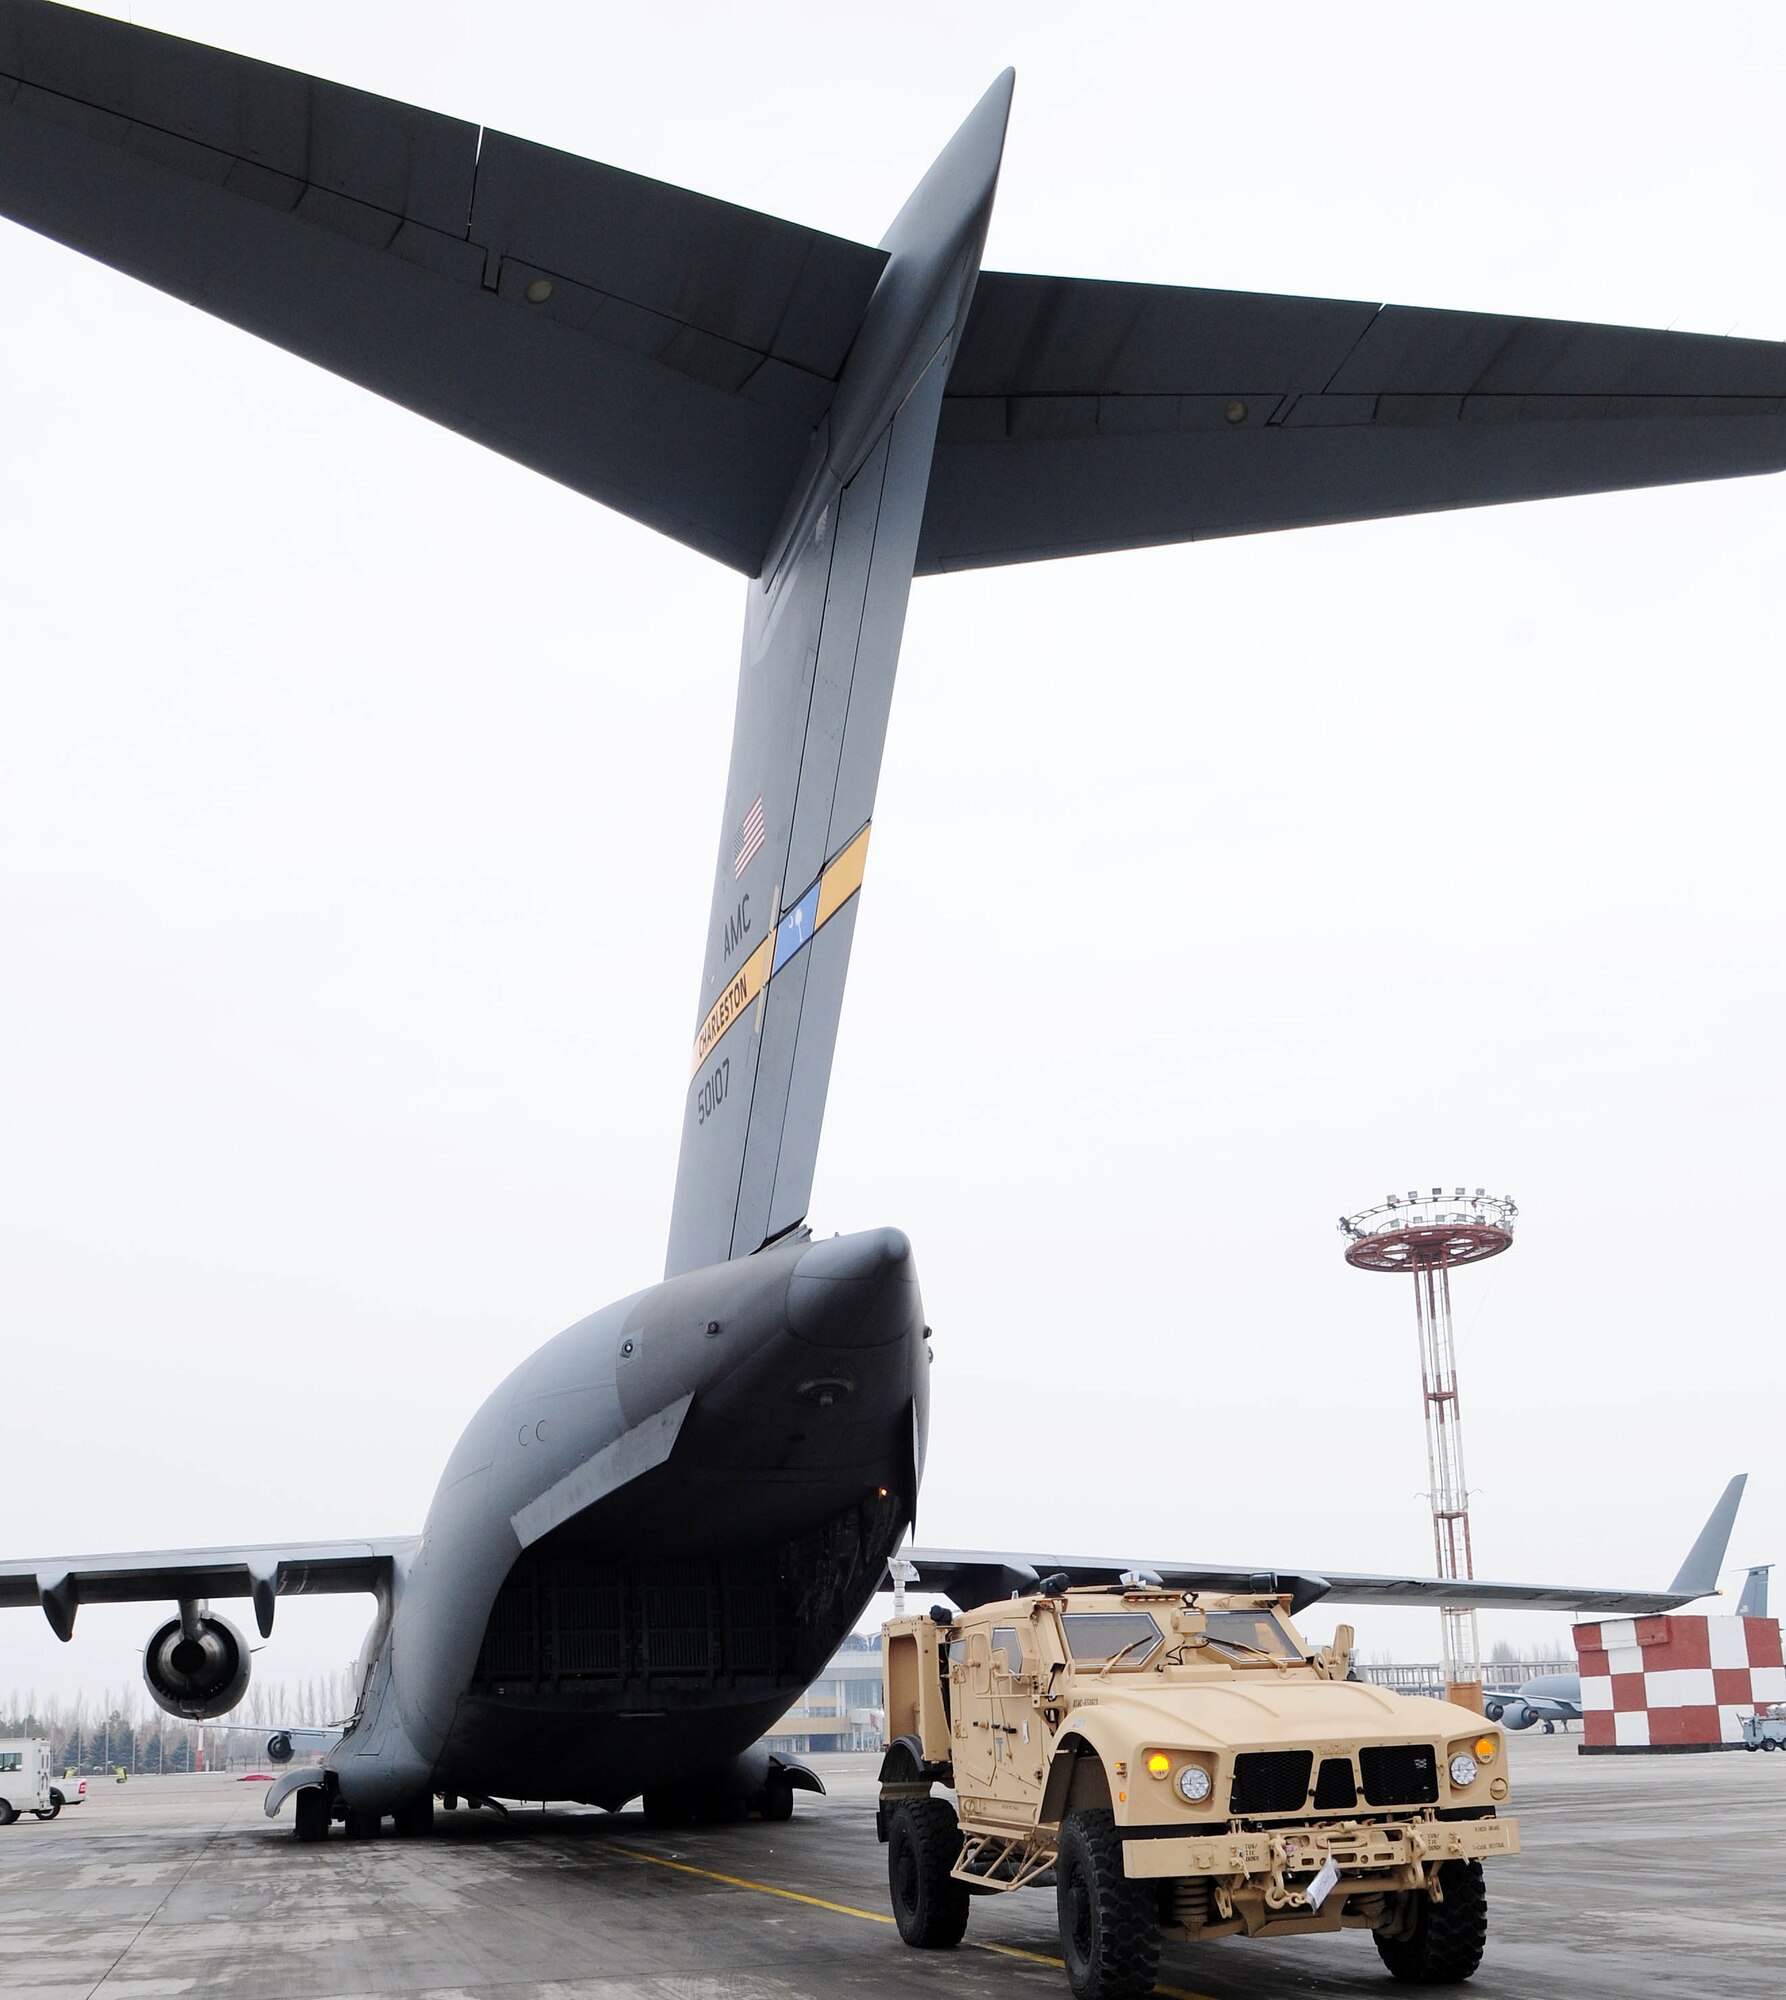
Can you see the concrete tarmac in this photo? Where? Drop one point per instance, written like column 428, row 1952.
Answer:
column 1659, row 1877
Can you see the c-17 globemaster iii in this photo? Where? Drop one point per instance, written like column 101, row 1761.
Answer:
column 656, row 1529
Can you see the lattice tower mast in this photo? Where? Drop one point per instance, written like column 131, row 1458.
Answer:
column 1427, row 1237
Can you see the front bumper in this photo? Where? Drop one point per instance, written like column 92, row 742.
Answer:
column 1369, row 1854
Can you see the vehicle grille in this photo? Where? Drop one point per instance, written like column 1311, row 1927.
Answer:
column 1335, row 1788
column 1271, row 1781
column 1400, row 1774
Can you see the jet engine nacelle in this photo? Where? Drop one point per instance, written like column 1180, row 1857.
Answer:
column 196, row 1666
column 279, row 1748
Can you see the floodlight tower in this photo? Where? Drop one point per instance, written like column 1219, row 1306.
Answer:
column 1430, row 1235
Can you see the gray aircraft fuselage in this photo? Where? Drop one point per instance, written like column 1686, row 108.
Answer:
column 659, row 1631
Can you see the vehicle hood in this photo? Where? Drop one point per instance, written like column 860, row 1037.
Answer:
column 1264, row 1711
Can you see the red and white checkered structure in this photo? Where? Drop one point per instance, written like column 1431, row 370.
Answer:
column 1676, row 1683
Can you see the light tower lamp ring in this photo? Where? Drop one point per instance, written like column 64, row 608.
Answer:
column 1411, row 1231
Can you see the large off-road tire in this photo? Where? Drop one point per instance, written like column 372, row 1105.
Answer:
column 1438, row 1944
column 929, row 1905
column 1109, row 1925
column 310, row 1813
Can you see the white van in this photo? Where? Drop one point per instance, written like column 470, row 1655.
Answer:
column 25, row 1781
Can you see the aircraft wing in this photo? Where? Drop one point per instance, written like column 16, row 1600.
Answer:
column 60, row 1585
column 660, row 351
column 976, row 1576
column 1084, row 416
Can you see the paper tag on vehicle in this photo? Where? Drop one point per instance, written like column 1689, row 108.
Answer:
column 1321, row 1887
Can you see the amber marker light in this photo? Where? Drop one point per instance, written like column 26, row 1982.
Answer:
column 1159, row 1765
column 1485, row 1747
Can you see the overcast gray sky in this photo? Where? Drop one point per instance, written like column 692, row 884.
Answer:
column 358, row 794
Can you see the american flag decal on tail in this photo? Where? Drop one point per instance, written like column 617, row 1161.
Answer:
column 750, row 837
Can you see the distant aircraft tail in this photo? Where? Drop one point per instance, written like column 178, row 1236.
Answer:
column 1753, row 1601
column 1698, row 1575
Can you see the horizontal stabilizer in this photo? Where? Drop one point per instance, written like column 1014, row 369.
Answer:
column 658, row 350
column 1084, row 416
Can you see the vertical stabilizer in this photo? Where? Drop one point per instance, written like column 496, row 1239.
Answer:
column 1753, row 1601
column 821, row 642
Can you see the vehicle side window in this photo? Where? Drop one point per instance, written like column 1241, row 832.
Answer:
column 1007, row 1649
column 12, row 1760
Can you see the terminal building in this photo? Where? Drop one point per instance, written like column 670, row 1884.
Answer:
column 842, row 1708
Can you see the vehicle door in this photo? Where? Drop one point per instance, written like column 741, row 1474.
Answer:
column 970, row 1705
column 1017, row 1745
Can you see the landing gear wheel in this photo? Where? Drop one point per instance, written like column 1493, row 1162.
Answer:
column 1438, row 1944
column 363, row 1824
column 52, row 1809
column 929, row 1905
column 1550, row 1729
column 777, row 1799
column 414, row 1821
column 1109, row 1932
column 310, row 1813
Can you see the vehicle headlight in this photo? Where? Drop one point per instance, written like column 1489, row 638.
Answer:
column 1463, row 1769
column 1193, row 1784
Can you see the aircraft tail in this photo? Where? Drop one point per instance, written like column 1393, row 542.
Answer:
column 822, row 629
column 1698, row 1575
column 1752, row 1603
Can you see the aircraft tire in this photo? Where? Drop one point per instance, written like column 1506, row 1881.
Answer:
column 1439, row 1944
column 362, row 1824
column 777, row 1800
column 310, row 1814
column 929, row 1905
column 414, row 1821
column 1109, row 1929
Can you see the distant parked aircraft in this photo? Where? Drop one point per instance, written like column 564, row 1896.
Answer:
column 1546, row 1698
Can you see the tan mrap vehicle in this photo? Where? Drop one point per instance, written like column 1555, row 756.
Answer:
column 1180, row 1764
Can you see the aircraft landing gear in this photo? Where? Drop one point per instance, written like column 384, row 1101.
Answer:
column 362, row 1824
column 310, row 1813
column 415, row 1820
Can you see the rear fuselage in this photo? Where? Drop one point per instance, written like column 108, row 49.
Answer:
column 595, row 1608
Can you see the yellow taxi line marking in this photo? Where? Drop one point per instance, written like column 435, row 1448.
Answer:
column 739, row 1882
column 850, row 1910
